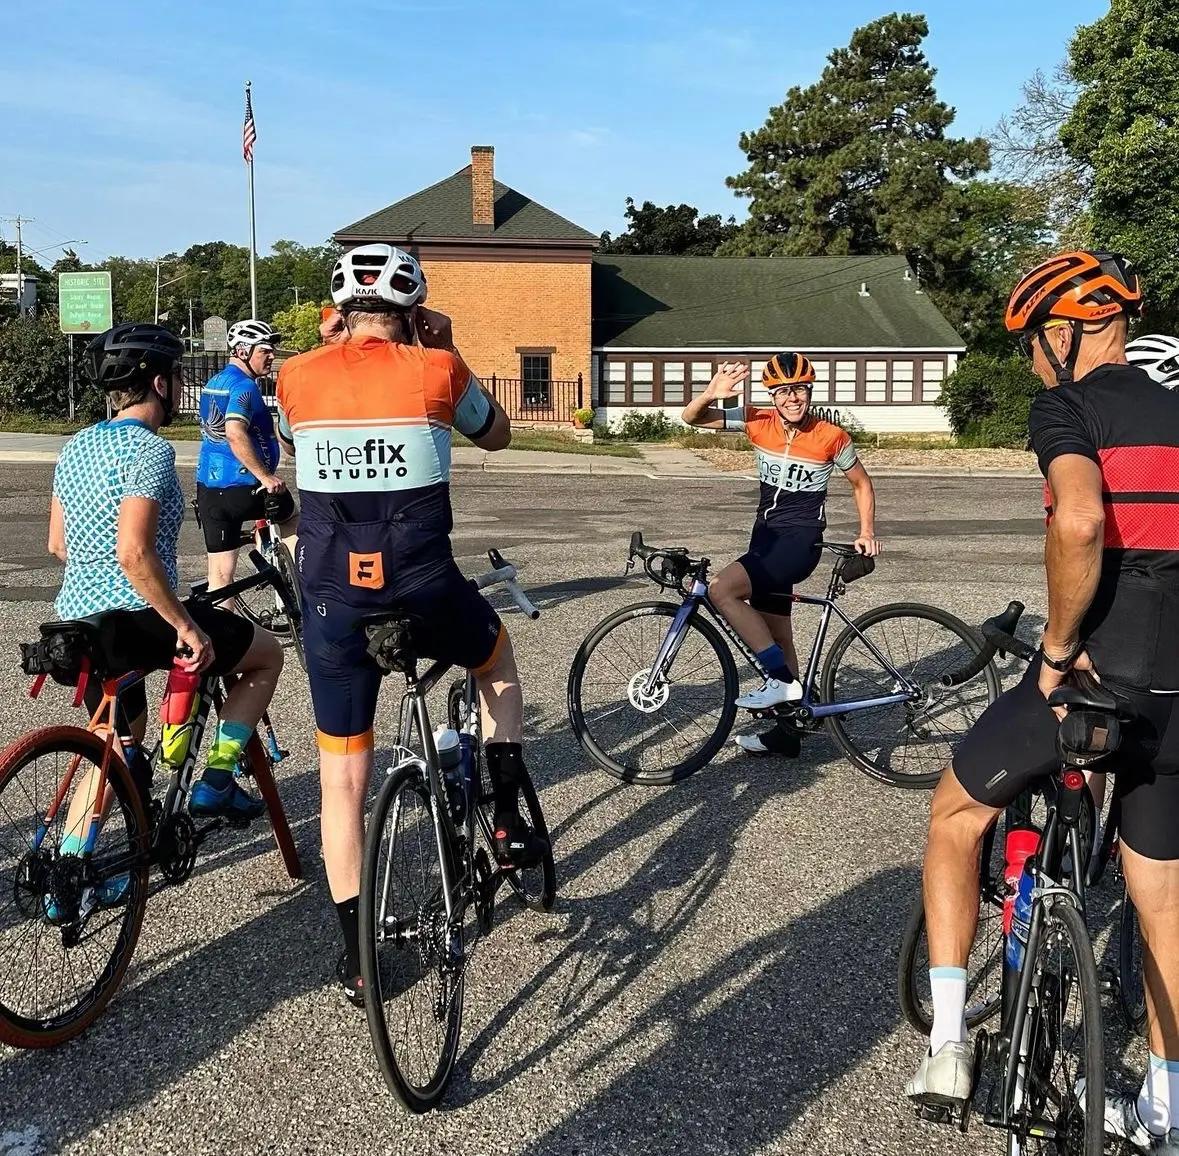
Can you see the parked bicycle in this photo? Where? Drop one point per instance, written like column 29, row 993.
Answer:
column 1047, row 1054
column 69, row 922
column 429, row 879
column 275, row 608
column 653, row 686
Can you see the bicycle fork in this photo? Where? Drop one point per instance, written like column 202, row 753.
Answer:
column 674, row 638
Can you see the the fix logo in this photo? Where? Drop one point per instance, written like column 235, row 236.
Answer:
column 376, row 458
column 795, row 476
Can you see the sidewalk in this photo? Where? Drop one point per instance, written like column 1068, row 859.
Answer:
column 656, row 461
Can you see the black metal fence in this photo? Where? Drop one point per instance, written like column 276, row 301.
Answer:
column 199, row 367
column 537, row 400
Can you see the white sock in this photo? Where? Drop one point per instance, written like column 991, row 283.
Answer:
column 1160, row 1090
column 948, row 985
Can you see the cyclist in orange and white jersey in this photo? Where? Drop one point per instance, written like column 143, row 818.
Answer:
column 796, row 454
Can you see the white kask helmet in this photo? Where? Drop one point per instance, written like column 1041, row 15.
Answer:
column 1158, row 355
column 378, row 276
column 252, row 334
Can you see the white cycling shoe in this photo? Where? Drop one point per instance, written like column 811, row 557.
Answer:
column 773, row 693
column 1122, row 1120
column 944, row 1079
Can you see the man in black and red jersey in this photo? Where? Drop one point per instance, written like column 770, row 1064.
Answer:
column 1107, row 440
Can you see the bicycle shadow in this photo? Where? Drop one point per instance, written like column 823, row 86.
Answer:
column 677, row 846
column 754, row 1029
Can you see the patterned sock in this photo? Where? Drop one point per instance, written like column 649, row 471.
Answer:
column 223, row 754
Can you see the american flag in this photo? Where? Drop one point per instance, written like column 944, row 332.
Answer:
column 249, row 132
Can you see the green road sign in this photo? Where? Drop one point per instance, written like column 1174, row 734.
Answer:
column 84, row 302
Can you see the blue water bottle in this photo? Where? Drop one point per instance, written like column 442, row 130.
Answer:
column 1021, row 918
column 467, row 765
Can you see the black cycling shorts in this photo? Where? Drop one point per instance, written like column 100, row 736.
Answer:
column 142, row 640
column 461, row 628
column 776, row 561
column 224, row 511
column 1013, row 745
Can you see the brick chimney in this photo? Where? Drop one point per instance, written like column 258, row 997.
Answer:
column 483, row 186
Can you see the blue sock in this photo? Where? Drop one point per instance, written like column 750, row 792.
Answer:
column 73, row 844
column 774, row 661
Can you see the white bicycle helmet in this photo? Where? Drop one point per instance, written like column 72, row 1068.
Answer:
column 1158, row 355
column 377, row 276
column 252, row 334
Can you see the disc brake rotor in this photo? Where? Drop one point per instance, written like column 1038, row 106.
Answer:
column 648, row 702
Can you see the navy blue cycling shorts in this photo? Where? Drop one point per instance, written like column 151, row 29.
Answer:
column 461, row 628
column 776, row 561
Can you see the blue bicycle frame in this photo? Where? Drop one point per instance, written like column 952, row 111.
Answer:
column 697, row 599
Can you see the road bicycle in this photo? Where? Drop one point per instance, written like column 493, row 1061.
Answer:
column 275, row 608
column 70, row 920
column 429, row 879
column 1046, row 1056
column 1121, row 980
column 652, row 688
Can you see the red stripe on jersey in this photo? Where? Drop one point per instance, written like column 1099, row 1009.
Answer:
column 1142, row 525
column 1140, row 469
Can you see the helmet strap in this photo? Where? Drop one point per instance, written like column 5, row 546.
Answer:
column 1064, row 372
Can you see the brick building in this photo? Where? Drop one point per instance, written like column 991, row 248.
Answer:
column 514, row 277
column 549, row 325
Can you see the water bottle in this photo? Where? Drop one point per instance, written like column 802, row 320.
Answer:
column 471, row 788
column 446, row 743
column 177, row 712
column 1017, row 903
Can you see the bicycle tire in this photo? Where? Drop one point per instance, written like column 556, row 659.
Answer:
column 417, row 1097
column 837, row 725
column 540, row 898
column 289, row 593
column 259, row 766
column 1131, row 988
column 914, row 956
column 22, row 1031
column 728, row 688
column 1084, row 1129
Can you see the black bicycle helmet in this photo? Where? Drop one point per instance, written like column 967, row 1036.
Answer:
column 133, row 350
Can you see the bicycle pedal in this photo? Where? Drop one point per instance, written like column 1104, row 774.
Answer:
column 235, row 823
column 934, row 1113
column 202, row 833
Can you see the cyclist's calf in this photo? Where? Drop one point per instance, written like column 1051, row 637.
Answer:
column 500, row 695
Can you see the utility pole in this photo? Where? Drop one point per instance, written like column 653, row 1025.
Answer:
column 20, row 296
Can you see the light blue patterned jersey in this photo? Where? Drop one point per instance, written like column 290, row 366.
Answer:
column 97, row 469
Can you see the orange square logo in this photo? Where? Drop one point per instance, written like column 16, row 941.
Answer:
column 366, row 570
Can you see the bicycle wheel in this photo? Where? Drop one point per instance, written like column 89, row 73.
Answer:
column 1131, row 986
column 905, row 744
column 255, row 762
column 535, row 886
column 659, row 737
column 984, row 968
column 263, row 605
column 288, row 593
column 68, row 926
column 1063, row 1093
column 411, row 965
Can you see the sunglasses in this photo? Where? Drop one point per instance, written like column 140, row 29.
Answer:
column 791, row 390
column 1026, row 339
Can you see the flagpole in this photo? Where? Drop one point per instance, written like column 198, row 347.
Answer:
column 253, row 230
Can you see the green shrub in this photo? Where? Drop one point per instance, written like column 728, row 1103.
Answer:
column 987, row 400
column 34, row 371
column 651, row 425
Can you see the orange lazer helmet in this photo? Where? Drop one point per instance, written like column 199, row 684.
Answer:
column 1075, row 288
column 787, row 369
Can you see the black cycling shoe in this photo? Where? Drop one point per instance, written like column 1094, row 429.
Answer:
column 353, row 985
column 517, row 846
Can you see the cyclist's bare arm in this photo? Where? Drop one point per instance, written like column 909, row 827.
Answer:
column 237, row 433
column 726, row 382
column 57, row 539
column 499, row 436
column 865, row 499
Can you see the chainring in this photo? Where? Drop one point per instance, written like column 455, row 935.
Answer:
column 177, row 848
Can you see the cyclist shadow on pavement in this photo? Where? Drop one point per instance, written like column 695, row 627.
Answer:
column 728, row 1059
column 650, row 862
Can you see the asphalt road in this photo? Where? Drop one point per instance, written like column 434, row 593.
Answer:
column 718, row 975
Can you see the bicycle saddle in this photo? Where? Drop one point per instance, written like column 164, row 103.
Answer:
column 1084, row 692
column 394, row 638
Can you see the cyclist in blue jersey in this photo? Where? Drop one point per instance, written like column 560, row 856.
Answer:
column 239, row 452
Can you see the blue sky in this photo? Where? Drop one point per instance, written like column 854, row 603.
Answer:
column 120, row 121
